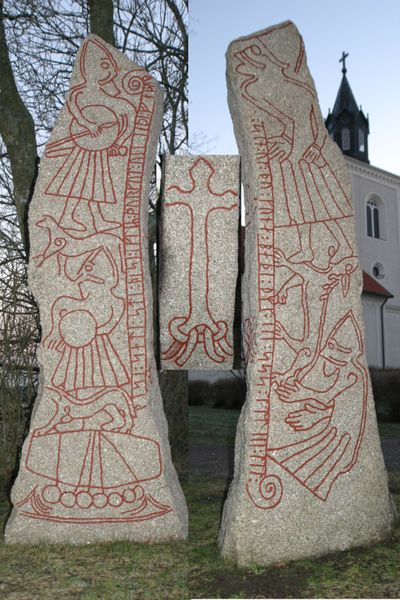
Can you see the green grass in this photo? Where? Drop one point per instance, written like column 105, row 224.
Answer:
column 126, row 571
column 361, row 573
column 214, row 426
column 112, row 571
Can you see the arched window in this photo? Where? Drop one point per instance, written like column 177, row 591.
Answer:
column 345, row 138
column 375, row 217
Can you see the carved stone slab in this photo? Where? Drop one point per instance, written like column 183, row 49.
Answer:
column 96, row 464
column 309, row 474
column 199, row 241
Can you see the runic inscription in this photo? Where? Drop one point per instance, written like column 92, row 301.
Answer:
column 309, row 428
column 96, row 463
column 199, row 261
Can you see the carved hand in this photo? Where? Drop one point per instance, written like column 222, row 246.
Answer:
column 309, row 416
column 279, row 148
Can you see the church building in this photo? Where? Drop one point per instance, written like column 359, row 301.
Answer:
column 376, row 199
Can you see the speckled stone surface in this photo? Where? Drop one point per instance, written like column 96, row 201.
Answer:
column 96, row 464
column 199, row 261
column 309, row 474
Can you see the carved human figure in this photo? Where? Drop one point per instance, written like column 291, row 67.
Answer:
column 304, row 179
column 327, row 441
column 96, row 463
column 312, row 303
column 82, row 325
column 101, row 124
column 307, row 440
column 94, row 412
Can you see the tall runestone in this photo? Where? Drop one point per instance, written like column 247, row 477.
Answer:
column 309, row 474
column 96, row 464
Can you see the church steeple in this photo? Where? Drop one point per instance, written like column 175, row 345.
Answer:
column 347, row 124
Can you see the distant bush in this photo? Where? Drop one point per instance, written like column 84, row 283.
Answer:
column 386, row 387
column 200, row 393
column 227, row 392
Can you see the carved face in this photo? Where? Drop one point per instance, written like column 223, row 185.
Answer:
column 97, row 63
column 334, row 353
column 343, row 343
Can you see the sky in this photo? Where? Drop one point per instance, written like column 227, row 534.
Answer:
column 368, row 30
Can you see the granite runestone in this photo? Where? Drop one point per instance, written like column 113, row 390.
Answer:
column 309, row 473
column 96, row 464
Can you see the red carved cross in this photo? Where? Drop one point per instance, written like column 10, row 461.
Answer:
column 199, row 326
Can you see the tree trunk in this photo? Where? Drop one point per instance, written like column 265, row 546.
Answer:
column 101, row 19
column 18, row 132
column 174, row 391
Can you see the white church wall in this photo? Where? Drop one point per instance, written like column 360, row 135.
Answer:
column 386, row 249
column 392, row 337
column 372, row 325
column 369, row 182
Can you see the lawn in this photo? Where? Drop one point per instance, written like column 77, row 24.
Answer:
column 362, row 573
column 112, row 571
column 126, row 571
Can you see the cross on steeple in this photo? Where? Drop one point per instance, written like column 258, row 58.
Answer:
column 347, row 124
column 343, row 60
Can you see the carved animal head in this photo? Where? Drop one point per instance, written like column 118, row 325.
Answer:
column 57, row 239
column 95, row 266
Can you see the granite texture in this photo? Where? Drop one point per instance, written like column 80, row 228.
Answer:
column 309, row 474
column 96, row 464
column 199, row 261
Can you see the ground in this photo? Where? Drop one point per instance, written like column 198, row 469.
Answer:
column 124, row 571
column 361, row 573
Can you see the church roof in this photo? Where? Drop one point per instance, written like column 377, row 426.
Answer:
column 345, row 100
column 370, row 286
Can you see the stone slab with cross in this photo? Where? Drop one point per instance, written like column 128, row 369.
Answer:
column 199, row 261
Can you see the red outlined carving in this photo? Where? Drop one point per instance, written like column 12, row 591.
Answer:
column 91, row 444
column 332, row 449
column 198, row 327
column 98, row 131
column 308, row 377
column 81, row 332
column 309, row 186
column 141, row 85
column 89, row 462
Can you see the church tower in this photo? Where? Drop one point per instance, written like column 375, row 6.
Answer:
column 347, row 124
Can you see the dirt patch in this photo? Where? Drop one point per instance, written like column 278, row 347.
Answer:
column 285, row 584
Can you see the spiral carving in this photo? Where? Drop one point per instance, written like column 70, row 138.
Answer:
column 132, row 84
column 265, row 492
